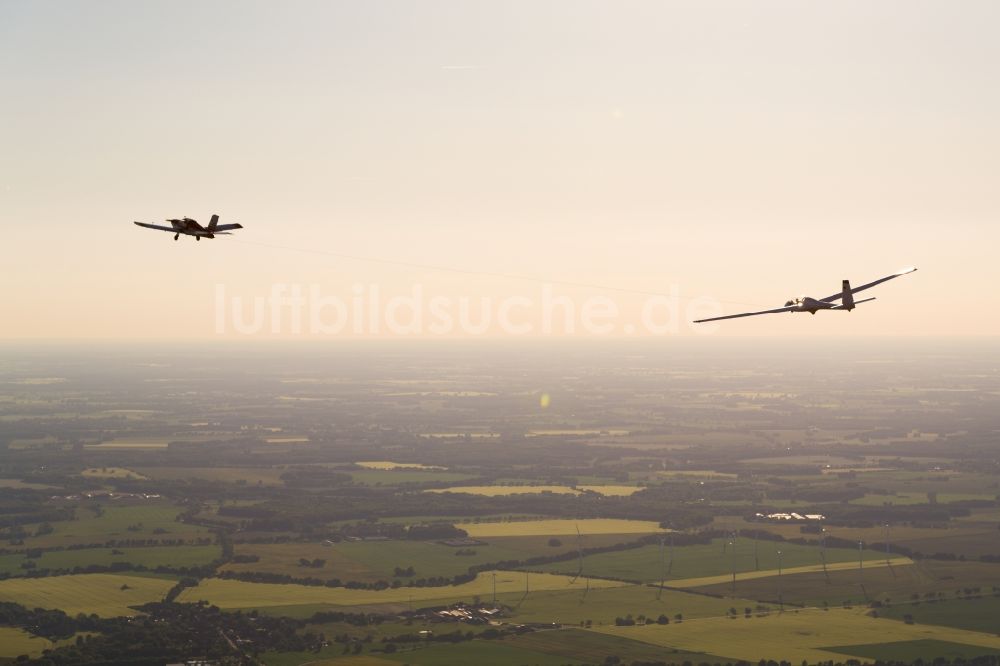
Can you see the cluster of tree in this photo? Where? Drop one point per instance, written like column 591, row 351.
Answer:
column 166, row 632
column 662, row 618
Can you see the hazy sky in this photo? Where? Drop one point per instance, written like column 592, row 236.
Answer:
column 742, row 151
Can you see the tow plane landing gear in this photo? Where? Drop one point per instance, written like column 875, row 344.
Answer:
column 176, row 236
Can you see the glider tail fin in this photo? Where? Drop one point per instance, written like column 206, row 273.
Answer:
column 847, row 296
column 214, row 223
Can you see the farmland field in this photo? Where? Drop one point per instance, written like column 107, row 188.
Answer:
column 558, row 527
column 371, row 561
column 396, row 477
column 591, row 648
column 386, row 464
column 796, row 635
column 498, row 491
column 895, row 583
column 976, row 614
column 118, row 522
column 231, row 594
column 571, row 606
column 150, row 557
column 102, row 594
column 646, row 563
column 913, row 650
column 266, row 476
column 15, row 642
column 111, row 473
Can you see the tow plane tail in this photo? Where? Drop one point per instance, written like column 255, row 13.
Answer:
column 847, row 295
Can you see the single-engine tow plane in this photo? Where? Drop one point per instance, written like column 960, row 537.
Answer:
column 812, row 305
column 189, row 227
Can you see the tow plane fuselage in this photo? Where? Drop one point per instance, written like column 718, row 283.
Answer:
column 190, row 227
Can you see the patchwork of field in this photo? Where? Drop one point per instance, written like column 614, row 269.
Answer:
column 106, row 595
column 232, row 594
column 560, row 527
column 149, row 557
column 800, row 635
column 751, row 557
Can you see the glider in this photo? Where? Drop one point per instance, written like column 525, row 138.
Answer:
column 190, row 227
column 812, row 305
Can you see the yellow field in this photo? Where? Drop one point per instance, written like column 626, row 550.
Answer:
column 386, row 464
column 85, row 593
column 112, row 473
column 15, row 642
column 793, row 635
column 560, row 527
column 613, row 491
column 811, row 568
column 497, row 491
column 238, row 594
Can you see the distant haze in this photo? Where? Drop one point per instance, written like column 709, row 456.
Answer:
column 738, row 151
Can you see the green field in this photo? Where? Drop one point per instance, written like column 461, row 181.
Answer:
column 264, row 476
column 499, row 491
column 978, row 614
column 396, row 477
column 233, row 594
column 895, row 583
column 150, row 557
column 646, row 563
column 15, row 642
column 387, row 464
column 481, row 653
column 593, row 648
column 912, row 650
column 101, row 594
column 972, row 536
column 148, row 521
column 909, row 498
column 805, row 635
column 559, row 527
column 111, row 473
column 370, row 561
column 602, row 605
